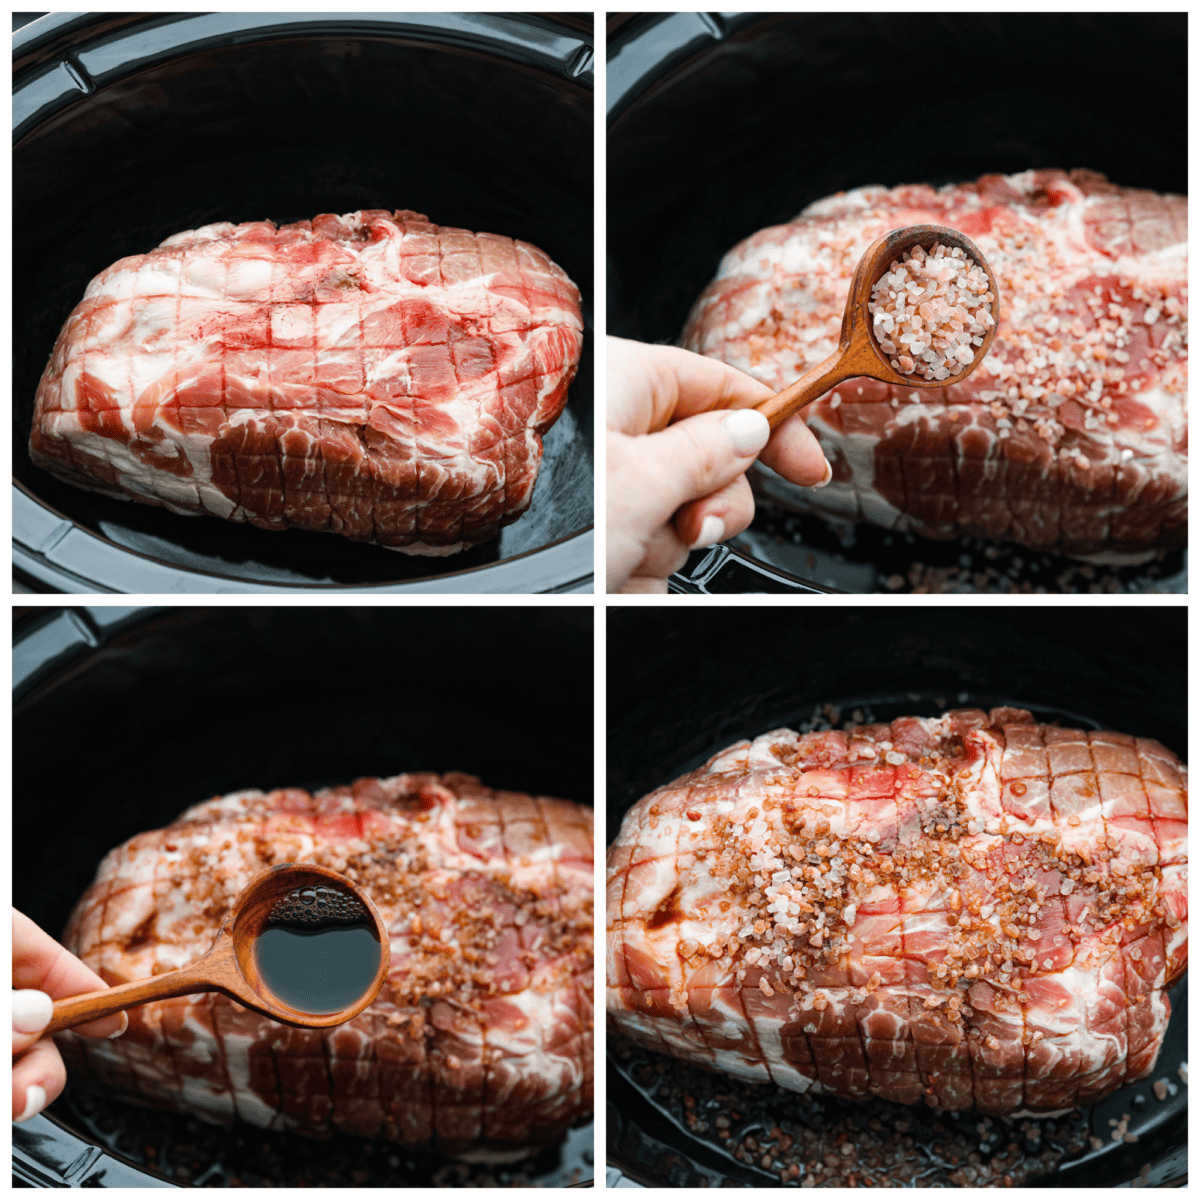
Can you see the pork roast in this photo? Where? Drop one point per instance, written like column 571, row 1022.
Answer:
column 370, row 375
column 971, row 911
column 1071, row 436
column 479, row 1043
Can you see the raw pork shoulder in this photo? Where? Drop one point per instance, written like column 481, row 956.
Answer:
column 370, row 375
column 974, row 911
column 1071, row 436
column 480, row 1042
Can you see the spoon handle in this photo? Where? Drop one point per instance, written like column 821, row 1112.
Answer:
column 852, row 357
column 814, row 383
column 90, row 1006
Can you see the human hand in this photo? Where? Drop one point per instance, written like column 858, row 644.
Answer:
column 677, row 458
column 42, row 973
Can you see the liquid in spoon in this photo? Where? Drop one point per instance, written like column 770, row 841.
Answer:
column 318, row 952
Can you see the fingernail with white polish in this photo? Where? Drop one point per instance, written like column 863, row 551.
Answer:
column 124, row 1026
column 747, row 429
column 712, row 530
column 826, row 477
column 31, row 1010
column 35, row 1101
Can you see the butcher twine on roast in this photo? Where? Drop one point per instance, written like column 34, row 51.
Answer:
column 479, row 1045
column 371, row 375
column 970, row 911
column 1071, row 435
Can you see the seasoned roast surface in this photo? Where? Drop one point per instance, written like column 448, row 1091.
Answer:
column 970, row 911
column 370, row 375
column 1070, row 437
column 480, row 1042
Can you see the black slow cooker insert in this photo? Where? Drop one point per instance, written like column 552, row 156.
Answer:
column 684, row 685
column 125, row 717
column 720, row 124
column 130, row 128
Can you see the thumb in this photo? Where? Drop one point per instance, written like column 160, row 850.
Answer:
column 697, row 456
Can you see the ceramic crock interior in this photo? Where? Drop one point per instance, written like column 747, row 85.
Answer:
column 693, row 683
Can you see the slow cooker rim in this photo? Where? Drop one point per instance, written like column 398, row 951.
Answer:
column 69, row 37
column 92, row 626
column 82, row 1159
column 39, row 42
column 698, row 30
column 564, row 564
column 568, row 559
column 86, row 1160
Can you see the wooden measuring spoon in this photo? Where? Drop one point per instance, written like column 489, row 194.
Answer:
column 230, row 967
column 858, row 352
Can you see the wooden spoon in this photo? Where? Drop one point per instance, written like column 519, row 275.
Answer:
column 858, row 352
column 230, row 967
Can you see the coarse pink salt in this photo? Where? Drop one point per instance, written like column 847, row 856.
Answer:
column 931, row 311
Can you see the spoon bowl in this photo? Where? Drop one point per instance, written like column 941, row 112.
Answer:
column 858, row 351
column 231, row 966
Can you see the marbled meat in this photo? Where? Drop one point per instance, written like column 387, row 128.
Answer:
column 1070, row 437
column 969, row 911
column 370, row 375
column 480, row 1042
